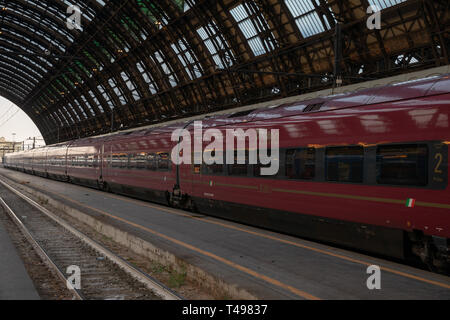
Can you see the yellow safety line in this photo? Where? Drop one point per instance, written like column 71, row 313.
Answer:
column 253, row 273
column 266, row 236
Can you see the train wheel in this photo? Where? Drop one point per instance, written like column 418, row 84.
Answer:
column 169, row 199
column 434, row 259
column 102, row 185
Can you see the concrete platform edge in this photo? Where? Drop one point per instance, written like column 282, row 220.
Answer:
column 149, row 250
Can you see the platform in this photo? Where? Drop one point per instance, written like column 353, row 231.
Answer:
column 15, row 283
column 266, row 264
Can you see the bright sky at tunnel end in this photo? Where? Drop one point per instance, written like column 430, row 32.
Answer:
column 14, row 120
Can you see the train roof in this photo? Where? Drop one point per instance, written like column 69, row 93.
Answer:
column 434, row 85
column 418, row 88
column 430, row 86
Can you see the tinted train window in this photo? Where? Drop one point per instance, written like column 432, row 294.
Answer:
column 213, row 168
column 141, row 161
column 132, row 161
column 345, row 164
column 163, row 161
column 123, row 160
column 119, row 160
column 238, row 169
column 81, row 161
column 301, row 163
column 152, row 162
column 115, row 161
column 138, row 161
column 90, row 161
column 402, row 165
column 257, row 167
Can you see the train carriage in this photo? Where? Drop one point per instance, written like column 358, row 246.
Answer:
column 138, row 164
column 366, row 169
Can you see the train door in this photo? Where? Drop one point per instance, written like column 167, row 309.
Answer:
column 67, row 162
column 97, row 163
column 107, row 149
column 102, row 161
column 189, row 179
column 186, row 173
column 196, row 174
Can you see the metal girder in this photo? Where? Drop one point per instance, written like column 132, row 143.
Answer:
column 138, row 62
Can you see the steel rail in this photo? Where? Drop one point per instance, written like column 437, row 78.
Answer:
column 153, row 284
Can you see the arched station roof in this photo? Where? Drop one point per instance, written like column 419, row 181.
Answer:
column 130, row 63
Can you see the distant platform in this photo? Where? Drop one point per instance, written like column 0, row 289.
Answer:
column 15, row 283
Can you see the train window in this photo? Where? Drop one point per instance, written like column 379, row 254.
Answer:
column 213, row 168
column 301, row 164
column 151, row 162
column 345, row 164
column 138, row 161
column 403, row 165
column 132, row 161
column 117, row 160
column 81, row 161
column 114, row 161
column 238, row 169
column 163, row 161
column 90, row 161
column 258, row 166
column 123, row 160
column 141, row 160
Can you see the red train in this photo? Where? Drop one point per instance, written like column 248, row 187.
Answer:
column 367, row 170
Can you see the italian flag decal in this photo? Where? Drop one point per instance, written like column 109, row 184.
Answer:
column 410, row 203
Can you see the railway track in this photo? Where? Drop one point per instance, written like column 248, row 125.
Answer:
column 103, row 274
